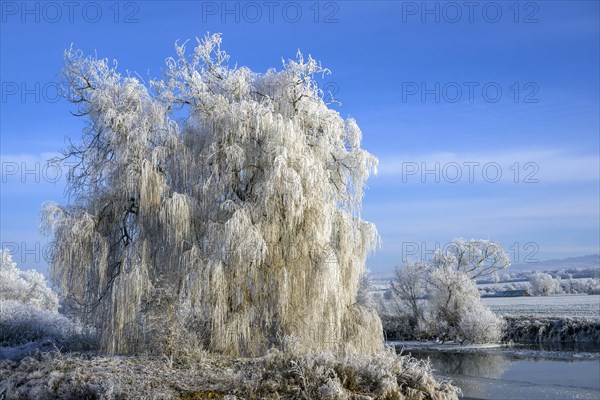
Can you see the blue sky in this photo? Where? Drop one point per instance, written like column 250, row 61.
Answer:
column 485, row 119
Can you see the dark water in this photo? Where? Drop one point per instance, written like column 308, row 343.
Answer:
column 569, row 349
column 517, row 373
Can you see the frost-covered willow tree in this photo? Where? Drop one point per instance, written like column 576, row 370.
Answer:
column 214, row 203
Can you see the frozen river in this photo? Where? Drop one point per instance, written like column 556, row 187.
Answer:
column 515, row 373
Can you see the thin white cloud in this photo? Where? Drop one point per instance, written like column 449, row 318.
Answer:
column 520, row 166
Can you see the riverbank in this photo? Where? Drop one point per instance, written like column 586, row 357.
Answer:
column 274, row 376
column 518, row 329
column 551, row 330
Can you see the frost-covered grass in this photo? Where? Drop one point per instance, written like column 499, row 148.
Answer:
column 37, row 362
column 274, row 376
column 587, row 306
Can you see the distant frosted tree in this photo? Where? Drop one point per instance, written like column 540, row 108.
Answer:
column 216, row 202
column 26, row 287
column 570, row 283
column 409, row 288
column 363, row 296
column 456, row 306
column 439, row 297
column 543, row 284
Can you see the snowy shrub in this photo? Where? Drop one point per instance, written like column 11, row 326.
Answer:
column 478, row 324
column 594, row 288
column 26, row 287
column 21, row 323
column 456, row 311
column 29, row 319
column 542, row 284
column 581, row 286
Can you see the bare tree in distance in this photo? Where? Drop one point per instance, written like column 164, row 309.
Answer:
column 409, row 288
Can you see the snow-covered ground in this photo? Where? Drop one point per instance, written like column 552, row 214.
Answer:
column 551, row 306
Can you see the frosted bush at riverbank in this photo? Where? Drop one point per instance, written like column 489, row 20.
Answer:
column 274, row 376
column 439, row 298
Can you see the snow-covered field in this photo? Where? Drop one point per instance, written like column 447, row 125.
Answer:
column 551, row 306
column 521, row 283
